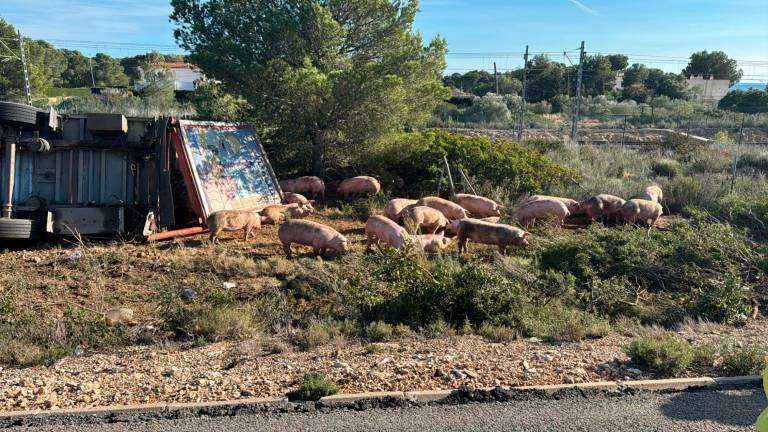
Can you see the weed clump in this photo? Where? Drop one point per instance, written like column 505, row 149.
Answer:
column 667, row 168
column 314, row 386
column 665, row 353
column 737, row 361
column 498, row 333
column 379, row 331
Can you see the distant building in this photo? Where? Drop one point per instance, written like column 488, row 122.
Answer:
column 619, row 79
column 186, row 76
column 712, row 90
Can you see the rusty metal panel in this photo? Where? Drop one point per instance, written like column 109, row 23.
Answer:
column 228, row 165
column 88, row 220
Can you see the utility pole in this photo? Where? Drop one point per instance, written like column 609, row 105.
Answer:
column 522, row 101
column 496, row 77
column 741, row 129
column 90, row 64
column 24, row 68
column 577, row 106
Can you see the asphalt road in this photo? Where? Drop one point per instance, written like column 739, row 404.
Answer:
column 734, row 410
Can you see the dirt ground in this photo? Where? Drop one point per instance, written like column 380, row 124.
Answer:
column 49, row 278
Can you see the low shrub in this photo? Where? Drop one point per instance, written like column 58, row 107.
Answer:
column 754, row 162
column 665, row 353
column 226, row 323
column 319, row 333
column 497, row 333
column 402, row 330
column 667, row 168
column 28, row 341
column 544, row 145
column 213, row 315
column 417, row 158
column 438, row 329
column 379, row 331
column 314, row 386
column 557, row 322
column 737, row 361
column 700, row 269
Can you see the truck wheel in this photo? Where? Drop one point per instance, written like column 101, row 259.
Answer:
column 16, row 114
column 19, row 229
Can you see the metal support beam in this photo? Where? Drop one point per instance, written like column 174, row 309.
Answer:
column 522, row 100
column 10, row 171
column 577, row 105
column 24, row 68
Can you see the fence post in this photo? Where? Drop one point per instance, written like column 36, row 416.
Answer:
column 450, row 177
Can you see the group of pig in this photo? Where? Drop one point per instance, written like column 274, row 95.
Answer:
column 608, row 208
column 318, row 236
column 427, row 223
column 468, row 217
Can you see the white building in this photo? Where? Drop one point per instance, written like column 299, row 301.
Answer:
column 619, row 79
column 712, row 90
column 186, row 76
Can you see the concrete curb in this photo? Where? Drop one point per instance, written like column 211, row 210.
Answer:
column 341, row 400
column 154, row 408
column 670, row 384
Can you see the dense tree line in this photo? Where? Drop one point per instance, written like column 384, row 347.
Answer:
column 552, row 82
column 52, row 67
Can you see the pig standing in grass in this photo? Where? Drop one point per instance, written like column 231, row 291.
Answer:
column 532, row 211
column 425, row 218
column 449, row 209
column 395, row 206
column 653, row 193
column 357, row 186
column 572, row 205
column 304, row 184
column 384, row 230
column 320, row 237
column 602, row 206
column 640, row 210
column 489, row 233
column 233, row 220
column 453, row 227
column 432, row 243
column 295, row 198
column 272, row 214
column 478, row 206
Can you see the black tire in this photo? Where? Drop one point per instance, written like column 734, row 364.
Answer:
column 16, row 114
column 20, row 229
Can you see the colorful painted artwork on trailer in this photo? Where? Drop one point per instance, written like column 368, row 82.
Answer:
column 229, row 166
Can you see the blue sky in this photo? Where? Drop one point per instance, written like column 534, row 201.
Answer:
column 485, row 30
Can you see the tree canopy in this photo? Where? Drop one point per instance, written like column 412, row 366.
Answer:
column 479, row 83
column 319, row 72
column 642, row 84
column 750, row 101
column 713, row 64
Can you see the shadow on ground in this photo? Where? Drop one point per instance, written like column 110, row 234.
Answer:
column 730, row 408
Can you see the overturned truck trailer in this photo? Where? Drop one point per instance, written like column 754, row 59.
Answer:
column 110, row 175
